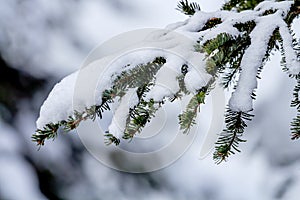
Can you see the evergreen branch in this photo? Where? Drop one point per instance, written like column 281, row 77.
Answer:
column 188, row 8
column 225, row 55
column 182, row 88
column 240, row 5
column 295, row 124
column 272, row 45
column 111, row 139
column 48, row 132
column 230, row 138
column 294, row 12
column 107, row 98
column 138, row 76
column 139, row 116
column 212, row 22
column 246, row 27
column 296, row 101
column 295, row 127
column 235, row 53
column 132, row 78
column 283, row 62
column 187, row 118
column 142, row 113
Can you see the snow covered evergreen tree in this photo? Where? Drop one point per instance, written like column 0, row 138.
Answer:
column 230, row 47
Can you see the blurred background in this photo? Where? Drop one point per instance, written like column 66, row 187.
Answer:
column 42, row 41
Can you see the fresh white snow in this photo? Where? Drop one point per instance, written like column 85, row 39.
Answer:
column 120, row 115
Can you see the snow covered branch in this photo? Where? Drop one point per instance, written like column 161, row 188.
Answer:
column 229, row 46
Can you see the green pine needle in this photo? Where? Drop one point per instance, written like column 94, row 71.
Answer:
column 188, row 8
column 128, row 79
column 187, row 118
column 230, row 138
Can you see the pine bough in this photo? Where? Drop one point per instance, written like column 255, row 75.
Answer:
column 234, row 45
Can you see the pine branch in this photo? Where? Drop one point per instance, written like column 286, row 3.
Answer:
column 182, row 88
column 230, row 138
column 132, row 78
column 212, row 22
column 295, row 127
column 224, row 53
column 295, row 124
column 139, row 116
column 188, row 8
column 296, row 101
column 48, row 132
column 294, row 12
column 111, row 139
column 187, row 118
column 139, row 76
column 240, row 5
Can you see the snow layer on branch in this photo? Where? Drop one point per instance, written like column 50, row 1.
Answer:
column 253, row 59
column 283, row 6
column 93, row 79
column 118, row 124
column 167, row 43
column 292, row 62
column 166, row 83
column 58, row 105
column 119, row 64
column 229, row 18
column 196, row 78
column 197, row 21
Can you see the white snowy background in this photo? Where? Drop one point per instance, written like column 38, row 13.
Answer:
column 50, row 39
